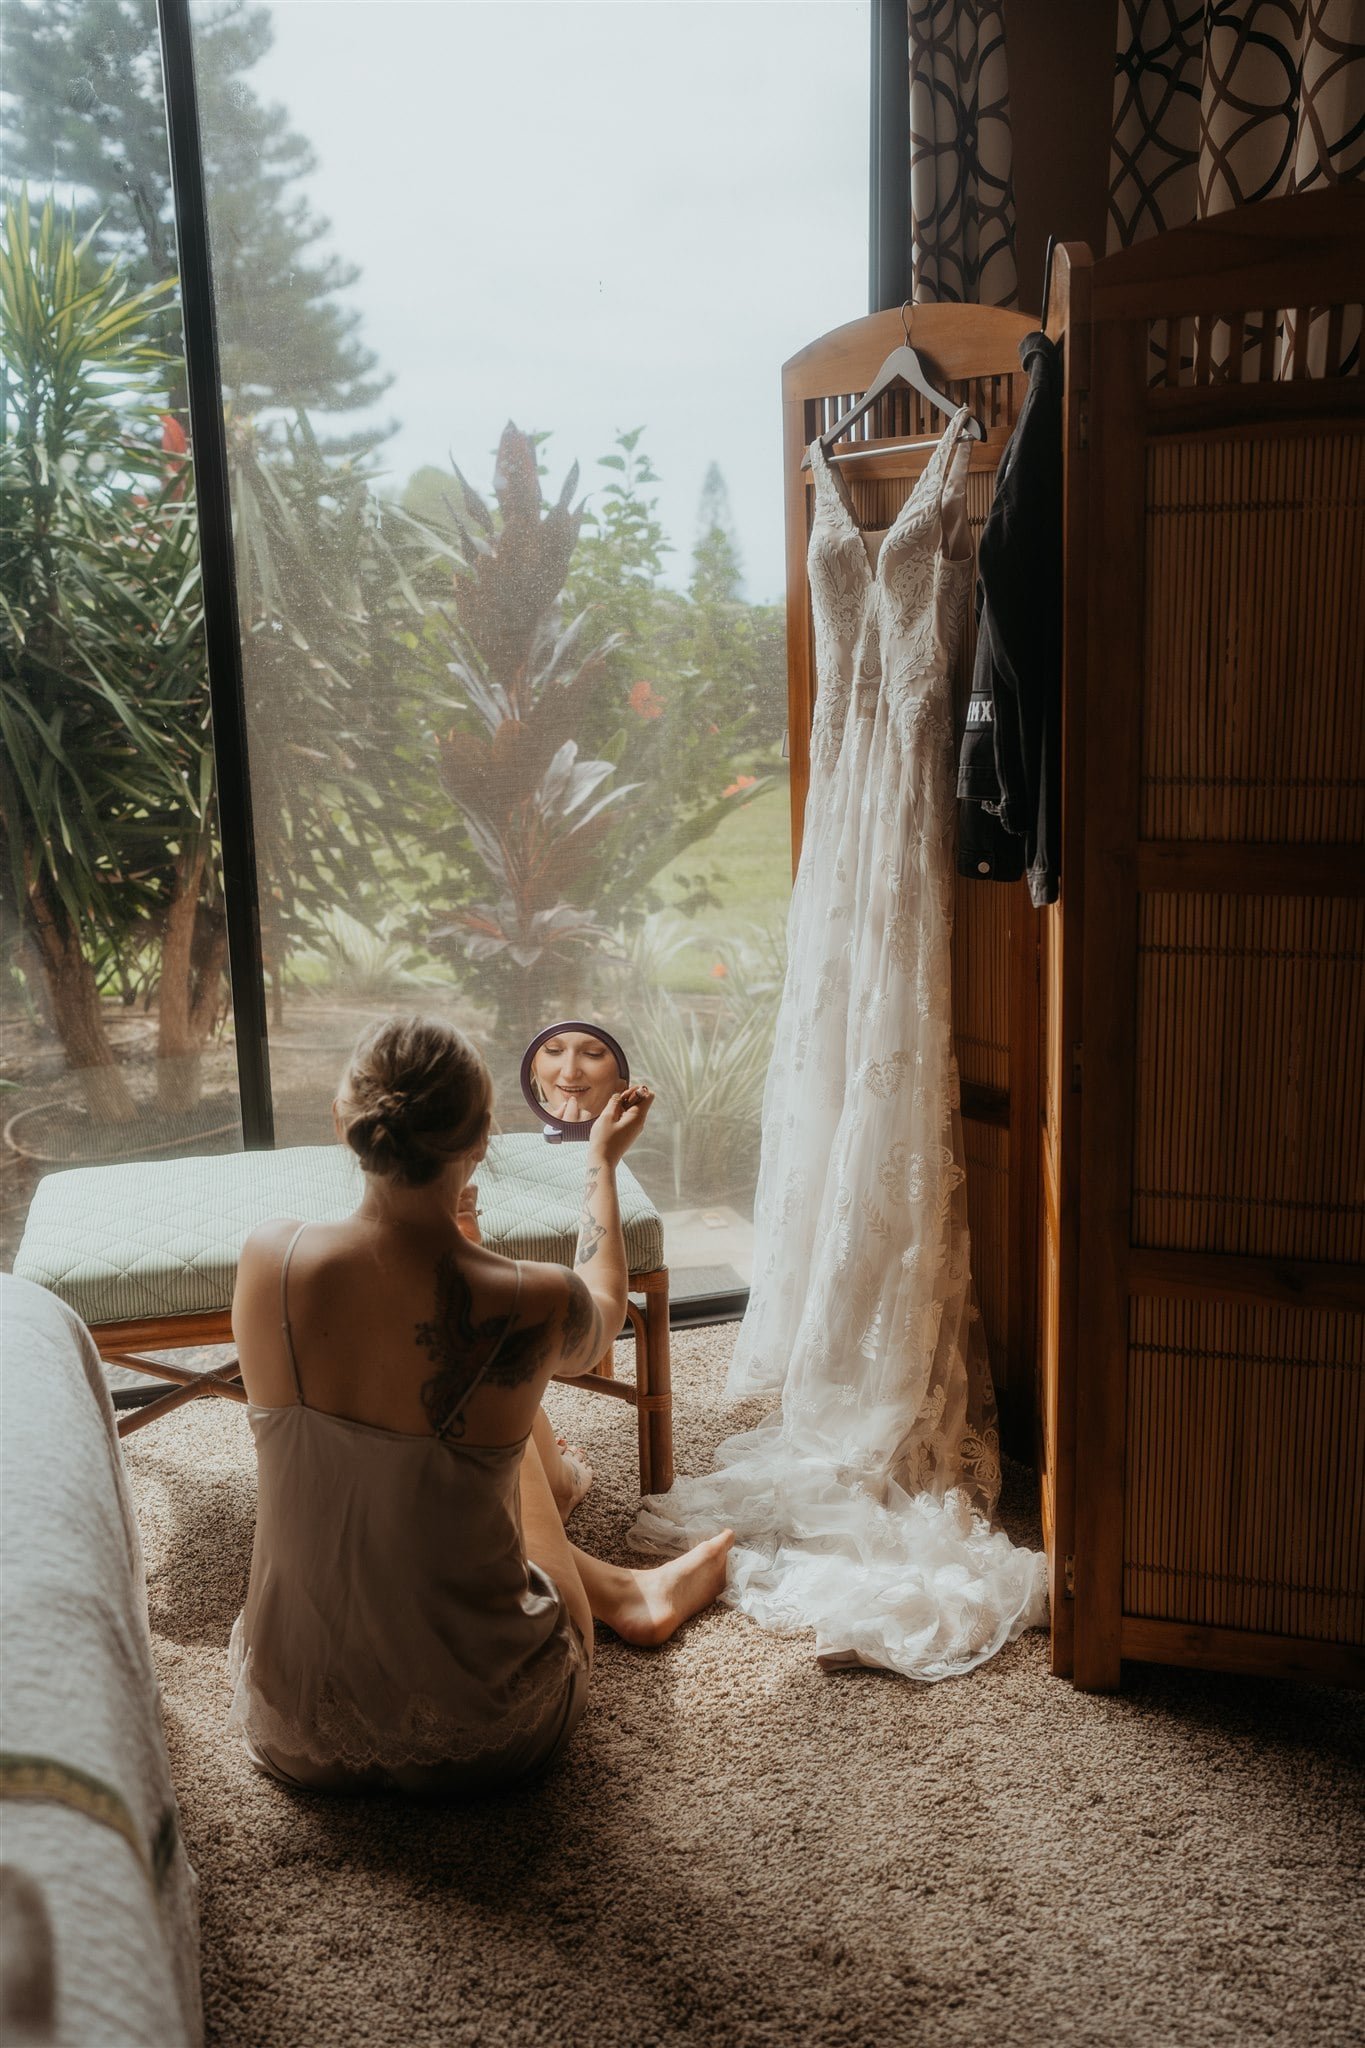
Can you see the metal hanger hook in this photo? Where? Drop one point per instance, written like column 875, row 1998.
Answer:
column 907, row 318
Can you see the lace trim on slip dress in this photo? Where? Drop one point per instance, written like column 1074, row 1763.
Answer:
column 334, row 1730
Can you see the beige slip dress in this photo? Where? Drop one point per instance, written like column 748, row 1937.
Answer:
column 395, row 1635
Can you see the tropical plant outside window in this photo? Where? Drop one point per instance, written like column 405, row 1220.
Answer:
column 515, row 697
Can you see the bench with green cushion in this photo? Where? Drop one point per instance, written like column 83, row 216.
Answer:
column 146, row 1254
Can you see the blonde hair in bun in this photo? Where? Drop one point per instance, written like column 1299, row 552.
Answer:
column 415, row 1094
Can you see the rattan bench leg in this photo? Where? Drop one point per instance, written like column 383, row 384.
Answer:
column 654, row 1380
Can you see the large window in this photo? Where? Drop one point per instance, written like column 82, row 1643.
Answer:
column 512, row 623
column 114, row 1037
column 502, row 292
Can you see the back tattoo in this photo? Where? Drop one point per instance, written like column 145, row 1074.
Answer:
column 468, row 1352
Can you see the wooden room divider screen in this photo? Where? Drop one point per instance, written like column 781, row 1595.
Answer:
column 1164, row 1074
column 1203, row 1307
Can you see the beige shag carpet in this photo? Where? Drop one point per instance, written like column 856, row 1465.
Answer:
column 740, row 1850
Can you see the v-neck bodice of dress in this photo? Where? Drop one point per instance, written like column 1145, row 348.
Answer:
column 879, row 619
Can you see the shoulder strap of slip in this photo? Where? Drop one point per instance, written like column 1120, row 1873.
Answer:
column 457, row 1412
column 284, row 1313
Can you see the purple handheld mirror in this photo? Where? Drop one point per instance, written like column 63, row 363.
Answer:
column 569, row 1073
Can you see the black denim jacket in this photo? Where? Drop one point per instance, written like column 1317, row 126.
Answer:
column 1010, row 761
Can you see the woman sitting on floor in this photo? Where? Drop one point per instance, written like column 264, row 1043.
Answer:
column 416, row 1616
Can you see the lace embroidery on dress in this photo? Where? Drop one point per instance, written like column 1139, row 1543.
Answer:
column 336, row 1731
column 862, row 1505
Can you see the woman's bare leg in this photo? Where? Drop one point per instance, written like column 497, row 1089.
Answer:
column 642, row 1607
column 645, row 1607
column 563, row 1482
column 546, row 1544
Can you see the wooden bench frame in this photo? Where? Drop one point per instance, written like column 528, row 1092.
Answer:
column 651, row 1393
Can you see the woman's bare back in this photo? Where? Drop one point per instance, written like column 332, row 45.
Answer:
column 393, row 1324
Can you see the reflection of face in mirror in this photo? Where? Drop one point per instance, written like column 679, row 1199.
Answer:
column 569, row 1073
column 575, row 1076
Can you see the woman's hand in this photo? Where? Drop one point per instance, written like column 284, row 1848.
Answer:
column 620, row 1124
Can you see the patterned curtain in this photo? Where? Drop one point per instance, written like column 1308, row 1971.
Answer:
column 1229, row 101
column 961, row 188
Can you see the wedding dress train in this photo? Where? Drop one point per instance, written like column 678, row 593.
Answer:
column 862, row 1505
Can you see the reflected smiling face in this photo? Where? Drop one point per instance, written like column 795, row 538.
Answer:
column 575, row 1076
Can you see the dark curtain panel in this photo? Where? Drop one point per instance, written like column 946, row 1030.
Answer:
column 961, row 187
column 1229, row 101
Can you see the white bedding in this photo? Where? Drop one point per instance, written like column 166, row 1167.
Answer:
column 80, row 1715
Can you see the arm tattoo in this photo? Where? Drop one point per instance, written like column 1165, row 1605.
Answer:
column 466, row 1352
column 590, row 1231
column 582, row 1318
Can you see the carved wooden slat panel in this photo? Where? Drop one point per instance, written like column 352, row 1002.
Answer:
column 1269, row 343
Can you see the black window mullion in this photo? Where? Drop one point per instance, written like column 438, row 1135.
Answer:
column 213, row 508
column 888, row 242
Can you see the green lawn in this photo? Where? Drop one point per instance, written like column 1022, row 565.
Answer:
column 749, row 863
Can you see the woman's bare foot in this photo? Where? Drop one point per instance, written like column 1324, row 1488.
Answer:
column 571, row 1479
column 645, row 1607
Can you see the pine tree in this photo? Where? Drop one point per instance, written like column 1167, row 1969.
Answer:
column 84, row 112
column 717, row 572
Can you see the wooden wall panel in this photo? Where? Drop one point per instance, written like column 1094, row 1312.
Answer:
column 1244, row 1478
column 986, row 1154
column 981, row 986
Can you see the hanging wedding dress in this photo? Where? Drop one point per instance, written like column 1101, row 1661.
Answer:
column 861, row 1506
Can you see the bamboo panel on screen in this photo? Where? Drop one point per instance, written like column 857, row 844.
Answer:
column 1254, row 714
column 1245, row 1468
column 1249, row 1131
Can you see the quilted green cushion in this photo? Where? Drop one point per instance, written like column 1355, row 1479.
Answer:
column 118, row 1243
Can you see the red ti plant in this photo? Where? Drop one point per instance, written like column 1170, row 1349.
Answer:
column 519, row 682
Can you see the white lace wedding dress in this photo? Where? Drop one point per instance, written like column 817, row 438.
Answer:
column 862, row 1505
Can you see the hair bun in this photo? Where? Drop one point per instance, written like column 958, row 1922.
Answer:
column 415, row 1094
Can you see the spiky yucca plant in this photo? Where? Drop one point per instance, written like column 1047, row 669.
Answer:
column 93, row 549
column 707, row 1059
